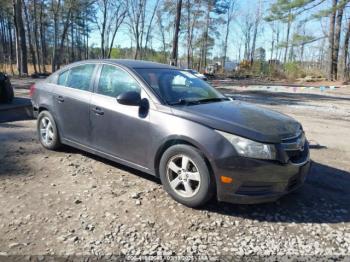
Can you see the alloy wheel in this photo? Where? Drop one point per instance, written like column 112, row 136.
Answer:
column 46, row 131
column 183, row 176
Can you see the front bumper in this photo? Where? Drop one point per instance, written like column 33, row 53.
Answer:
column 258, row 181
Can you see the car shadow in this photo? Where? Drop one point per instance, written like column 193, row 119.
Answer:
column 315, row 145
column 14, row 137
column 133, row 171
column 324, row 198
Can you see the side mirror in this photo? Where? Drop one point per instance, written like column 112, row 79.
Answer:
column 130, row 98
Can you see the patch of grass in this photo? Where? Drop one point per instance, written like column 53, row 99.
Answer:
column 6, row 68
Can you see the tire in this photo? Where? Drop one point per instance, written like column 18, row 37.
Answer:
column 183, row 186
column 52, row 140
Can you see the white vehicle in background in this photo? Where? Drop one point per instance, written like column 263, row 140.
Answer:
column 197, row 74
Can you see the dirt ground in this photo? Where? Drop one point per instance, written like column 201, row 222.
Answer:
column 73, row 203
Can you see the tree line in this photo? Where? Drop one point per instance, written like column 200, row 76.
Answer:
column 46, row 34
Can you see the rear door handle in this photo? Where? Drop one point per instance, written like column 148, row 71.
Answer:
column 97, row 110
column 60, row 99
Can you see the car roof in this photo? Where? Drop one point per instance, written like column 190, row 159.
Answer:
column 129, row 63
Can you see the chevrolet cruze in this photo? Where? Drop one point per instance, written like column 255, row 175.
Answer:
column 169, row 123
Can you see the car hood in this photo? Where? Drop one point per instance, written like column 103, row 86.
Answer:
column 242, row 119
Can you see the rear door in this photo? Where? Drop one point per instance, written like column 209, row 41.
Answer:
column 72, row 96
column 116, row 129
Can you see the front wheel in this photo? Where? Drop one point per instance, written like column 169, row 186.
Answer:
column 47, row 131
column 185, row 175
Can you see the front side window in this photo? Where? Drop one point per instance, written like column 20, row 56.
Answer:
column 78, row 77
column 114, row 81
column 179, row 87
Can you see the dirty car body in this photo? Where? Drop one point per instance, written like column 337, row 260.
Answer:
column 228, row 134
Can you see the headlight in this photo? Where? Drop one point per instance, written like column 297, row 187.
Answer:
column 249, row 148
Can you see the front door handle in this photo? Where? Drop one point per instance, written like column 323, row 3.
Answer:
column 97, row 110
column 60, row 99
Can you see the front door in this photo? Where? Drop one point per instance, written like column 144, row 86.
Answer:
column 116, row 129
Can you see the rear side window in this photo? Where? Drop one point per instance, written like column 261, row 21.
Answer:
column 80, row 77
column 77, row 77
column 114, row 81
column 62, row 78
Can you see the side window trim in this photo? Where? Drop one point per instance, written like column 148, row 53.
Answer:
column 97, row 77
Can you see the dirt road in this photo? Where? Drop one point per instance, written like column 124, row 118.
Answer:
column 73, row 203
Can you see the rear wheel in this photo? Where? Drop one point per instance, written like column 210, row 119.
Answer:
column 185, row 175
column 47, row 131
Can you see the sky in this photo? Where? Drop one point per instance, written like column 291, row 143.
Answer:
column 243, row 8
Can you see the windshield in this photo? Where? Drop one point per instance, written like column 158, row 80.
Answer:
column 180, row 87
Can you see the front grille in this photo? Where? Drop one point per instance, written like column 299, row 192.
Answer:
column 254, row 190
column 296, row 147
column 294, row 155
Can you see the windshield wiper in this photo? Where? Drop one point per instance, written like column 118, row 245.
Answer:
column 182, row 102
column 200, row 101
column 209, row 100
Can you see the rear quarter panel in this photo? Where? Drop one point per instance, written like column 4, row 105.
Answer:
column 42, row 96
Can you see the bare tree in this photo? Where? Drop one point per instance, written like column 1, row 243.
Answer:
column 290, row 19
column 275, row 37
column 113, row 14
column 204, row 52
column 346, row 53
column 136, row 14
column 246, row 27
column 68, row 13
column 162, row 34
column 229, row 16
column 29, row 31
column 174, row 52
column 21, row 45
column 256, row 26
column 335, row 53
column 150, row 23
column 36, row 36
column 42, row 37
column 331, row 39
column 191, row 23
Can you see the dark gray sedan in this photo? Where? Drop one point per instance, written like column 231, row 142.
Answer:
column 173, row 125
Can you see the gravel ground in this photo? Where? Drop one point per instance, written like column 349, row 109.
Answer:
column 73, row 203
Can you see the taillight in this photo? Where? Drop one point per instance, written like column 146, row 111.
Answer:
column 32, row 90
